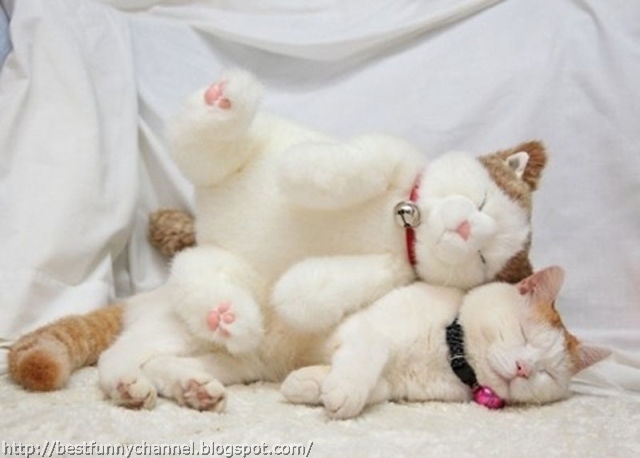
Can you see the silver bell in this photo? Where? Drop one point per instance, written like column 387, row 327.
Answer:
column 407, row 214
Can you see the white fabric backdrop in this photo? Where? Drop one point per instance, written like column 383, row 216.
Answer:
column 88, row 87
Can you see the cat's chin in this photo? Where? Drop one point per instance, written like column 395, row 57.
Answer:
column 514, row 390
column 526, row 391
column 464, row 270
column 451, row 252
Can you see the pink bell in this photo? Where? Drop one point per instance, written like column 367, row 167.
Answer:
column 485, row 396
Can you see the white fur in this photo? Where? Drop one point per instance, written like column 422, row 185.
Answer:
column 314, row 216
column 396, row 350
column 502, row 329
column 206, row 276
column 298, row 229
column 455, row 186
column 393, row 350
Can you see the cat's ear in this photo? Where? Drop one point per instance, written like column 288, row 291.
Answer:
column 543, row 286
column 527, row 161
column 518, row 162
column 586, row 355
column 534, row 165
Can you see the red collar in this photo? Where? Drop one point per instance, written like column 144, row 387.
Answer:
column 410, row 233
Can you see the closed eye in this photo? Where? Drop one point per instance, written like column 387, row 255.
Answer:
column 524, row 336
column 550, row 374
column 482, row 204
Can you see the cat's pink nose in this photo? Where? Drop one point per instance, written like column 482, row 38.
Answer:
column 464, row 230
column 523, row 369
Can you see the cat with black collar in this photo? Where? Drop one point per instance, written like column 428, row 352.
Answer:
column 295, row 231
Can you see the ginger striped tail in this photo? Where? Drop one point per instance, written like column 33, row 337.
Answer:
column 44, row 359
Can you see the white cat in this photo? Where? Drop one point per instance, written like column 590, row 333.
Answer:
column 296, row 230
column 396, row 349
column 291, row 222
column 289, row 218
column 508, row 343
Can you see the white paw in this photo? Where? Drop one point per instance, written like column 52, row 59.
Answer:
column 226, row 106
column 303, row 386
column 228, row 317
column 134, row 392
column 302, row 299
column 215, row 96
column 235, row 90
column 202, row 394
column 342, row 398
column 207, row 296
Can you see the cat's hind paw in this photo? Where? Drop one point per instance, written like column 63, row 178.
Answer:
column 303, row 386
column 135, row 393
column 221, row 318
column 234, row 324
column 342, row 399
column 215, row 96
column 226, row 106
column 237, row 90
column 231, row 320
column 203, row 395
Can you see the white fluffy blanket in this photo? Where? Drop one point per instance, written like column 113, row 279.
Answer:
column 582, row 426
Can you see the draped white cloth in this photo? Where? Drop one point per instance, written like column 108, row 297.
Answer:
column 88, row 86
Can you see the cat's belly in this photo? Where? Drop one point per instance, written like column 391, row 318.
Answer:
column 249, row 217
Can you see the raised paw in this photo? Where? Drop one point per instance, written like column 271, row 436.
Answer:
column 303, row 386
column 235, row 95
column 210, row 137
column 214, row 95
column 342, row 398
column 135, row 393
column 203, row 395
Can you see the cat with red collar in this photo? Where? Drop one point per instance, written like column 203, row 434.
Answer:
column 309, row 225
column 297, row 230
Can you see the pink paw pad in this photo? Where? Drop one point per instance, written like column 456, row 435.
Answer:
column 222, row 314
column 214, row 96
column 197, row 396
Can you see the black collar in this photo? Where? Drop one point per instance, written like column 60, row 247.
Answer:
column 457, row 360
column 483, row 395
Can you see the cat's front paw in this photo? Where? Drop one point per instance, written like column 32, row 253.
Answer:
column 134, row 392
column 342, row 398
column 303, row 298
column 202, row 394
column 304, row 386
